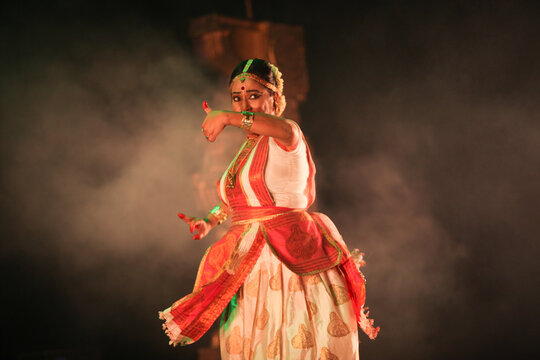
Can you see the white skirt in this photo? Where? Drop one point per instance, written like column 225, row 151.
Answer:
column 278, row 314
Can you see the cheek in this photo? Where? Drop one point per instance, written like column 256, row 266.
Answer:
column 267, row 106
column 236, row 106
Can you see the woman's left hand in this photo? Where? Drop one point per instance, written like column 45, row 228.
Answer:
column 203, row 226
column 214, row 123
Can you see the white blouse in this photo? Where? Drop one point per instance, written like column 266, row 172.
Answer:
column 286, row 175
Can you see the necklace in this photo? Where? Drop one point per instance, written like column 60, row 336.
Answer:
column 238, row 161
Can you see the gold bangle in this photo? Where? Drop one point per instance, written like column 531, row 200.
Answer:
column 219, row 214
column 247, row 120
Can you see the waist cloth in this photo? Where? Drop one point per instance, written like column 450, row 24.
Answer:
column 306, row 242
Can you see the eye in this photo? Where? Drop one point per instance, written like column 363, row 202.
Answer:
column 254, row 96
column 236, row 98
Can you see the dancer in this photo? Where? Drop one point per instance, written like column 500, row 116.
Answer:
column 282, row 278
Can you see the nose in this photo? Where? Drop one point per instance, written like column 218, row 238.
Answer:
column 246, row 106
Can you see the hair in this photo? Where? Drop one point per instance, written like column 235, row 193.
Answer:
column 267, row 72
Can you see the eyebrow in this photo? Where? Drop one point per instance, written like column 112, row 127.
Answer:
column 238, row 92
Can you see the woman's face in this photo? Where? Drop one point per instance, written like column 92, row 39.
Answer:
column 251, row 96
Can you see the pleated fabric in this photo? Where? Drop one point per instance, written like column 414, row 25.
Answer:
column 277, row 314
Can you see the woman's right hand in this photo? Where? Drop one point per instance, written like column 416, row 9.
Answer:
column 196, row 224
column 214, row 123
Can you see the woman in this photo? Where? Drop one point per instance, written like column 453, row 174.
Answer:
column 282, row 279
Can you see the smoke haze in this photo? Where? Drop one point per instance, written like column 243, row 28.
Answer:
column 104, row 149
column 423, row 121
column 432, row 122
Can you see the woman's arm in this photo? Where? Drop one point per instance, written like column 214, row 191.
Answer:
column 263, row 124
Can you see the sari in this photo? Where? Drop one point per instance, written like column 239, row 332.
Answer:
column 312, row 259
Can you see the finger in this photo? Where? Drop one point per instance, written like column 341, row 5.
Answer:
column 203, row 233
column 185, row 219
column 213, row 136
column 206, row 108
column 196, row 237
column 205, row 132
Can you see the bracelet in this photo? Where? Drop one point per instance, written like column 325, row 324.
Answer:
column 219, row 214
column 247, row 120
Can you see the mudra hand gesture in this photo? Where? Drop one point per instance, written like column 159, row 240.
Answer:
column 200, row 225
column 214, row 123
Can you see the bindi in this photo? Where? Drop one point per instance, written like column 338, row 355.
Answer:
column 243, row 88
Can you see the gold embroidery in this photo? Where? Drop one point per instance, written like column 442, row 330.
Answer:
column 233, row 170
column 300, row 243
column 252, row 287
column 313, row 308
column 295, row 283
column 233, row 343
column 327, row 355
column 275, row 280
column 312, row 279
column 340, row 294
column 303, row 339
column 274, row 347
column 337, row 327
column 262, row 319
column 264, row 218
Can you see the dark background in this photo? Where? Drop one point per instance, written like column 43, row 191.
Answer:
column 424, row 123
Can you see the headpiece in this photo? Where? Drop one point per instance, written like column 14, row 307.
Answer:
column 245, row 74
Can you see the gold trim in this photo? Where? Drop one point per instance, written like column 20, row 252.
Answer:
column 254, row 77
column 265, row 218
column 242, row 171
column 245, row 151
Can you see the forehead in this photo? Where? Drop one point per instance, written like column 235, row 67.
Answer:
column 248, row 84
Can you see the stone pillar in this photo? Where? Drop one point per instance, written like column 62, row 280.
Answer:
column 223, row 42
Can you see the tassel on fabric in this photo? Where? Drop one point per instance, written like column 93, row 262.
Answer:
column 172, row 330
column 356, row 288
column 358, row 258
column 366, row 324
